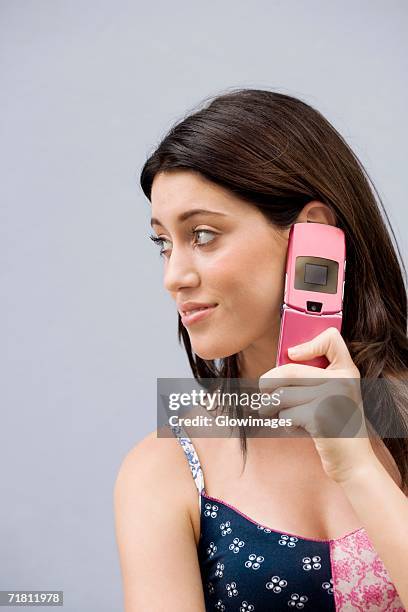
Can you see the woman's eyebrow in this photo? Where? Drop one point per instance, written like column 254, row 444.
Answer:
column 189, row 213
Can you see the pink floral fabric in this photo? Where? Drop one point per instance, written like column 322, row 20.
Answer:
column 360, row 579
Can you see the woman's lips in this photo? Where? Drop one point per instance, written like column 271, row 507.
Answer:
column 189, row 319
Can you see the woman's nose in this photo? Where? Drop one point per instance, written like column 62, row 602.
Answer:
column 179, row 272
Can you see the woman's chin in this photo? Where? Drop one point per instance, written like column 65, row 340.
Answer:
column 212, row 353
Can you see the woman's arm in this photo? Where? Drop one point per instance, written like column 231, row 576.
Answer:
column 155, row 536
column 383, row 509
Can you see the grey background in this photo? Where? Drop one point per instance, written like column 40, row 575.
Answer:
column 86, row 91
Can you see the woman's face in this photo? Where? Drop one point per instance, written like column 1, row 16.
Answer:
column 238, row 263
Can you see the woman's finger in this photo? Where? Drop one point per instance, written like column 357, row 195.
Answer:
column 291, row 374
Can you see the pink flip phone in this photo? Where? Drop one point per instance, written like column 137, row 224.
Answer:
column 314, row 287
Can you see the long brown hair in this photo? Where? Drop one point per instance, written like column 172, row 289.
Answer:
column 277, row 153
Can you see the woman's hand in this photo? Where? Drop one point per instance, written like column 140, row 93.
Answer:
column 329, row 407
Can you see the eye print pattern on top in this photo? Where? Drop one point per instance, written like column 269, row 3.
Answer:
column 248, row 567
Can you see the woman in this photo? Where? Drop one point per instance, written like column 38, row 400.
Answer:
column 306, row 523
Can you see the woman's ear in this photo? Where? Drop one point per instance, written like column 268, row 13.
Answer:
column 317, row 212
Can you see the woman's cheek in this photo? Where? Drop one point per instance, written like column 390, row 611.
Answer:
column 220, row 261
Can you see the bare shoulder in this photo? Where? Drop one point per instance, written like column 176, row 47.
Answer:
column 158, row 467
column 154, row 531
column 147, row 457
column 159, row 464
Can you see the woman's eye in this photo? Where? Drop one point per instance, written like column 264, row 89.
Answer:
column 204, row 231
column 162, row 241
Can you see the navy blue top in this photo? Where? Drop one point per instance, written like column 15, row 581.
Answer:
column 247, row 567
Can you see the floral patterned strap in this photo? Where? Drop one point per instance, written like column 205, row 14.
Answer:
column 192, row 458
